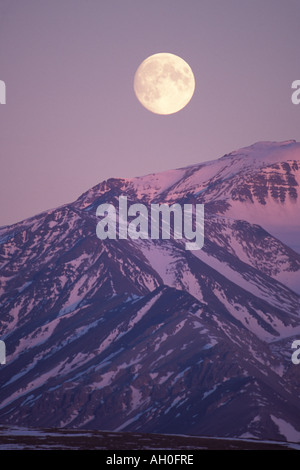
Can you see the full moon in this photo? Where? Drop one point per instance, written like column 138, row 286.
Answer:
column 164, row 83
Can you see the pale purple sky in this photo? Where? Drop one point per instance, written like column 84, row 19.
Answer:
column 72, row 119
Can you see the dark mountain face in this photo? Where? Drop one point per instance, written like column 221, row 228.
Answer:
column 144, row 335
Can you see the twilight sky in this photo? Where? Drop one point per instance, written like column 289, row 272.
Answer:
column 72, row 118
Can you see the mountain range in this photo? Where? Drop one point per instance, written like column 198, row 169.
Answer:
column 145, row 336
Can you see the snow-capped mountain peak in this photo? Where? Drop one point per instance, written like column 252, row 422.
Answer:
column 144, row 335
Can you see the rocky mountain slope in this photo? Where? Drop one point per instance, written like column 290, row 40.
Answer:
column 144, row 335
